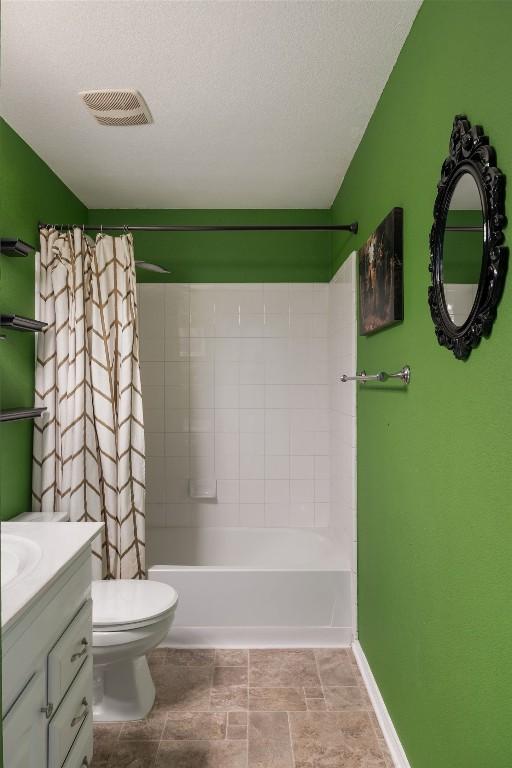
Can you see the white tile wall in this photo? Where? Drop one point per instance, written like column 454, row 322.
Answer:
column 236, row 386
column 340, row 475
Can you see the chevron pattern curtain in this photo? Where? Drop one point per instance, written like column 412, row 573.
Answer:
column 89, row 446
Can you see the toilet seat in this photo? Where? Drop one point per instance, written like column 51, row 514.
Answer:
column 125, row 604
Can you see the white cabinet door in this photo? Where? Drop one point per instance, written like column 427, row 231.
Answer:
column 24, row 728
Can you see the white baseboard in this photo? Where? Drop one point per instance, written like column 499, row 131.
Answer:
column 258, row 637
column 388, row 729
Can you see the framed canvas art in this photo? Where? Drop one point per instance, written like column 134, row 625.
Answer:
column 381, row 276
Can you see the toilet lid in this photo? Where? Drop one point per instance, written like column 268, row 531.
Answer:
column 120, row 602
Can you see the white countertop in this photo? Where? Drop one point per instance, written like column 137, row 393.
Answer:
column 60, row 543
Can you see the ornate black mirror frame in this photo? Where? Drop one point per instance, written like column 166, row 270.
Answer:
column 470, row 152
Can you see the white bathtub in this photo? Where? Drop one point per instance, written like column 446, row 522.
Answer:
column 253, row 586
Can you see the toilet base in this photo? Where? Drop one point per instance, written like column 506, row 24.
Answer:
column 123, row 691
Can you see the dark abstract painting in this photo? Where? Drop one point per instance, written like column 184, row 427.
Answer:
column 380, row 276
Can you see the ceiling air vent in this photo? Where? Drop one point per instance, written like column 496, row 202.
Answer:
column 117, row 107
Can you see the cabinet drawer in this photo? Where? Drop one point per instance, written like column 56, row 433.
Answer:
column 80, row 755
column 74, row 710
column 68, row 654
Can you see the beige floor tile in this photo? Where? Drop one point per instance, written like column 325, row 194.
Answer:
column 286, row 699
column 311, row 753
column 381, row 740
column 316, row 705
column 334, row 740
column 332, row 727
column 105, row 738
column 347, row 698
column 269, row 740
column 195, row 726
column 229, row 676
column 133, row 754
column 201, row 718
column 286, row 667
column 231, row 657
column 267, row 753
column 269, row 725
column 228, row 697
column 149, row 729
column 202, row 754
column 182, row 688
column 237, row 718
column 190, row 657
column 335, row 667
column 314, row 693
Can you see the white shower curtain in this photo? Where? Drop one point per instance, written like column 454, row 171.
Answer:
column 89, row 446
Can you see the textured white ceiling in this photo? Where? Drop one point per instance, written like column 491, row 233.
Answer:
column 255, row 104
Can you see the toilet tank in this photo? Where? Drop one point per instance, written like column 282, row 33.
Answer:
column 41, row 517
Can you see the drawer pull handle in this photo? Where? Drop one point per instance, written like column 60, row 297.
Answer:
column 82, row 715
column 47, row 710
column 76, row 656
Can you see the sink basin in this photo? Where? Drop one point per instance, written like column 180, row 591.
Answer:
column 19, row 557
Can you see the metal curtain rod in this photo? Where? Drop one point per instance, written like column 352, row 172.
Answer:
column 210, row 228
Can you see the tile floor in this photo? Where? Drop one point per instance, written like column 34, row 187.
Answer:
column 250, row 709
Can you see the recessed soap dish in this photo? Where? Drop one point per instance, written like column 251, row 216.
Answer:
column 205, row 488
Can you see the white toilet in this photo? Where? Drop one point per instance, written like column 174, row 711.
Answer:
column 130, row 618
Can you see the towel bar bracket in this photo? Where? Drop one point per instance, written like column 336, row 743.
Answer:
column 404, row 375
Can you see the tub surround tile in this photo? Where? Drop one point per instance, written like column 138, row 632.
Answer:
column 203, row 378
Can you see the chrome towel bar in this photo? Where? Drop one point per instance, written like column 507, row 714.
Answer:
column 404, row 375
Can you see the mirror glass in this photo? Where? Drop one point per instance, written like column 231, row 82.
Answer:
column 462, row 249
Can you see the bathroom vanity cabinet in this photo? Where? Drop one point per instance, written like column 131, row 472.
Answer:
column 47, row 665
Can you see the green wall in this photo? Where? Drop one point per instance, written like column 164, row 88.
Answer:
column 30, row 192
column 239, row 257
column 435, row 460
